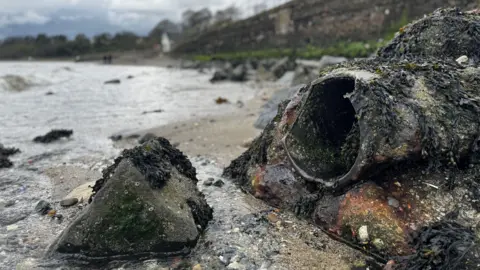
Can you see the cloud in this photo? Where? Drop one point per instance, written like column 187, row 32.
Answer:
column 25, row 17
column 74, row 17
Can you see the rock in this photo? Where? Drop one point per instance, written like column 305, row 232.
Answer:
column 208, row 182
column 5, row 151
column 8, row 217
column 363, row 234
column 304, row 75
column 283, row 65
column 5, row 162
column 82, row 193
column 116, row 137
column 218, row 183
column 236, row 266
column 147, row 137
column 239, row 74
column 130, row 77
column 114, row 81
column 378, row 243
column 462, row 60
column 54, row 135
column 43, row 207
column 393, row 202
column 12, row 228
column 68, row 202
column 219, row 75
column 246, row 143
column 240, row 104
column 49, row 93
column 146, row 204
column 327, row 60
column 270, row 109
column 197, row 267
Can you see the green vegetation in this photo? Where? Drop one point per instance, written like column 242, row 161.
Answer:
column 346, row 49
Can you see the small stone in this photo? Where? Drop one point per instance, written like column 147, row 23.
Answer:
column 43, row 207
column 219, row 183
column 52, row 213
column 197, row 267
column 272, row 217
column 393, row 202
column 236, row 266
column 236, row 230
column 12, row 227
column 462, row 60
column 378, row 243
column 208, row 182
column 363, row 234
column 68, row 202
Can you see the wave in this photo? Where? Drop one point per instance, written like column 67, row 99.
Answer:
column 18, row 83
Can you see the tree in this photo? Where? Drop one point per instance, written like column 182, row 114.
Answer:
column 102, row 42
column 81, row 44
column 229, row 14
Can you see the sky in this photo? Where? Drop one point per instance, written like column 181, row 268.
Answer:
column 20, row 17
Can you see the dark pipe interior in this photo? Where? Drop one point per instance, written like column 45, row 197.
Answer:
column 325, row 138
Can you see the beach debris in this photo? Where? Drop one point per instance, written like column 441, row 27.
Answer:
column 154, row 111
column 364, row 150
column 221, row 100
column 114, row 81
column 209, row 182
column 82, row 192
column 43, row 207
column 54, row 135
column 130, row 219
column 68, row 202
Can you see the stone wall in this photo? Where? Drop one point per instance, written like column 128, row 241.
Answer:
column 316, row 22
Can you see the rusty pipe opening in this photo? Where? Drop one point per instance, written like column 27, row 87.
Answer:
column 323, row 143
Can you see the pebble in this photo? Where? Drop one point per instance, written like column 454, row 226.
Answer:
column 43, row 207
column 363, row 234
column 197, row 267
column 236, row 266
column 378, row 243
column 12, row 227
column 393, row 202
column 68, row 202
column 208, row 182
column 218, row 183
column 462, row 60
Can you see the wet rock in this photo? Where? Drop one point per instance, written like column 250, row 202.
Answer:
column 116, row 137
column 239, row 74
column 270, row 109
column 54, row 135
column 146, row 204
column 130, row 77
column 283, row 65
column 5, row 162
column 218, row 183
column 43, row 207
column 219, row 75
column 49, row 93
column 8, row 151
column 68, row 202
column 114, row 81
column 393, row 202
column 147, row 137
column 208, row 182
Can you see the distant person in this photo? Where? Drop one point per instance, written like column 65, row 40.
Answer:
column 104, row 59
column 109, row 58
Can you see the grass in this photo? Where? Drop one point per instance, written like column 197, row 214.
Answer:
column 346, row 49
